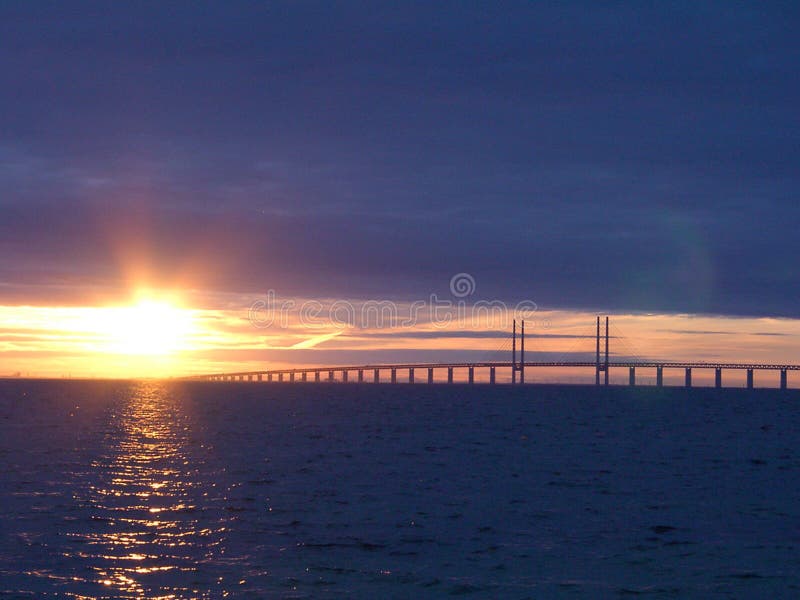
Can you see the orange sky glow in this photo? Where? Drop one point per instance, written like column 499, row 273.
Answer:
column 163, row 335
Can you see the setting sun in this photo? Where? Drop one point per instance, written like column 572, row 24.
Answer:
column 149, row 327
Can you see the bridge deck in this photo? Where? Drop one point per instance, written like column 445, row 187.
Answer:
column 507, row 365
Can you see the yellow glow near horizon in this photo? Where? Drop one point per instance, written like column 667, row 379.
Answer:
column 150, row 327
column 150, row 336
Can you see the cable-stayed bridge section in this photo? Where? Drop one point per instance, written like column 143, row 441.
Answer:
column 517, row 366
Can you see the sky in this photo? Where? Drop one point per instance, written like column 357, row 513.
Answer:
column 628, row 158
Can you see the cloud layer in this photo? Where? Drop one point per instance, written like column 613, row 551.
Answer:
column 617, row 157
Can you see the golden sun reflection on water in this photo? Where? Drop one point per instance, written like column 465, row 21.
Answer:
column 146, row 540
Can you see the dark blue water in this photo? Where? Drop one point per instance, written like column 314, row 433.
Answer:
column 204, row 490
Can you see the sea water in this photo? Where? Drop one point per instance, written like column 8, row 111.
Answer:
column 156, row 489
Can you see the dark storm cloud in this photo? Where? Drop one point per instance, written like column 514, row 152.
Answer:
column 622, row 157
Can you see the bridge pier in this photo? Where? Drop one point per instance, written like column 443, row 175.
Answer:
column 718, row 377
column 394, row 375
column 411, row 375
column 688, row 377
column 430, row 375
column 750, row 378
column 491, row 375
column 344, row 375
column 449, row 374
column 259, row 377
column 632, row 376
column 280, row 377
column 471, row 375
column 304, row 377
column 291, row 377
column 784, row 383
column 659, row 376
column 376, row 375
column 317, row 376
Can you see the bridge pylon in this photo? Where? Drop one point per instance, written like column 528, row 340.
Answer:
column 601, row 366
column 518, row 367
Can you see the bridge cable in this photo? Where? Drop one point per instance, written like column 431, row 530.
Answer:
column 629, row 347
column 582, row 335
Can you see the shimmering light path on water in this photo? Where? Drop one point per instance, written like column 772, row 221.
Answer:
column 202, row 490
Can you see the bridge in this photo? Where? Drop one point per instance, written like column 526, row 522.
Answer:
column 406, row 372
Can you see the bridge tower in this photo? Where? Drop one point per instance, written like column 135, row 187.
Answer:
column 518, row 366
column 601, row 366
